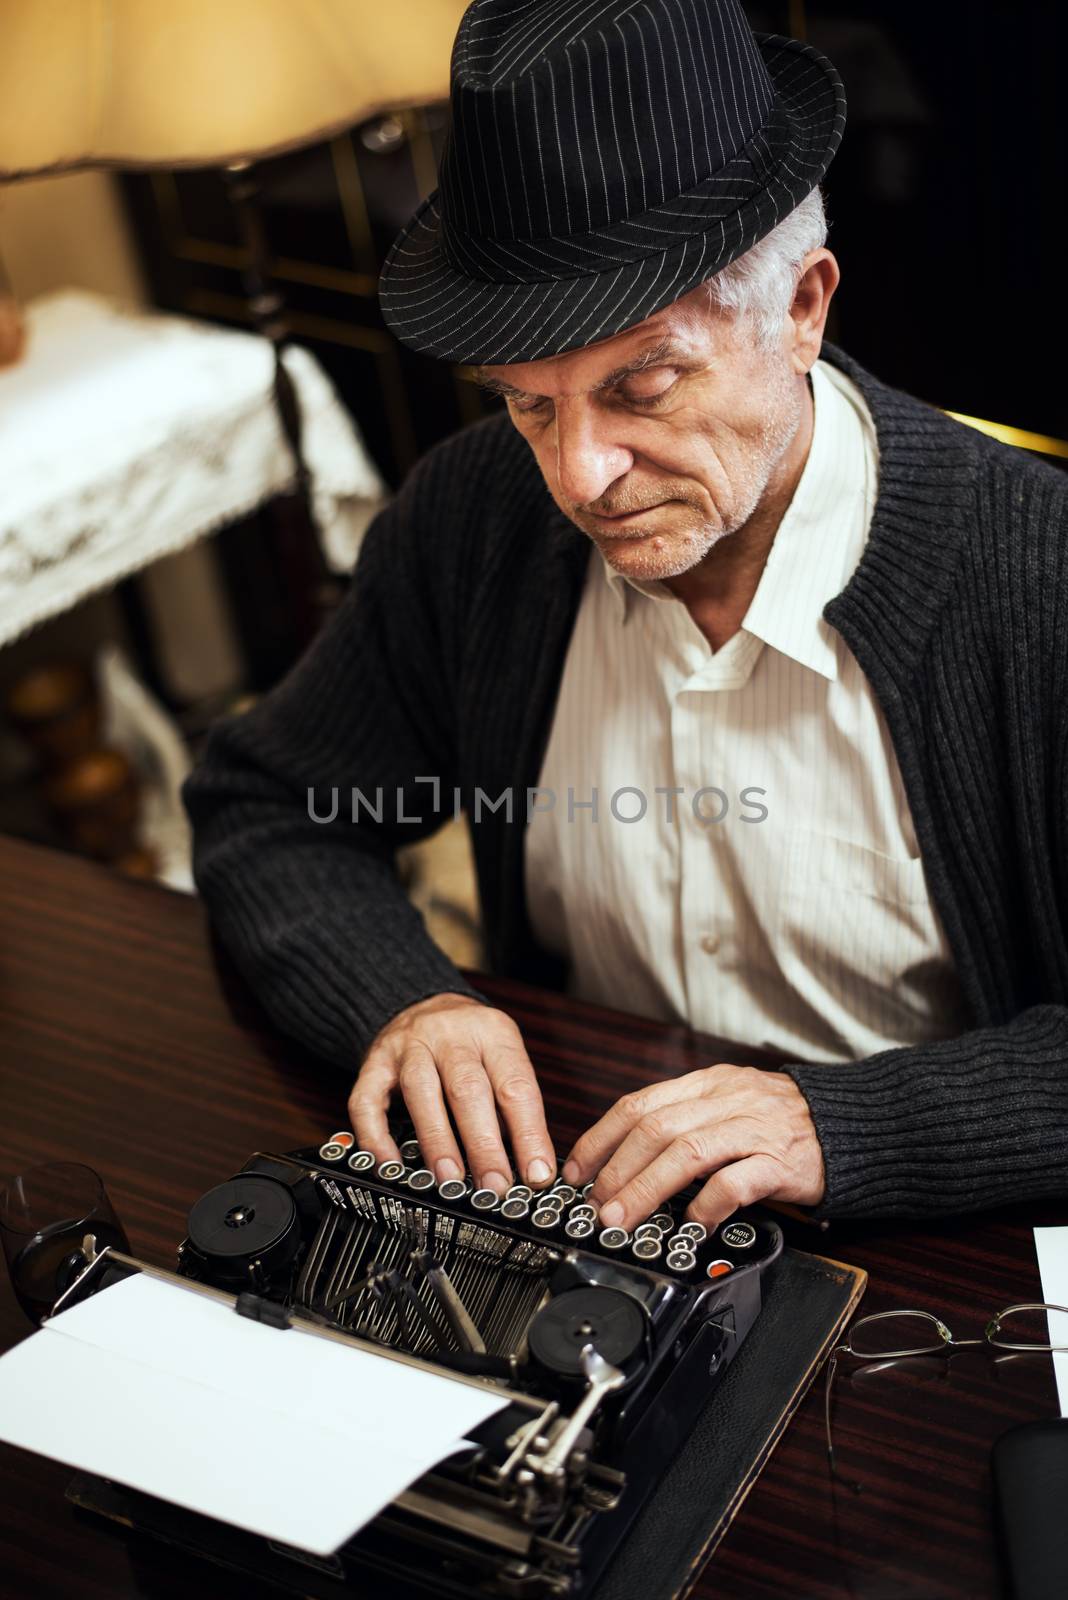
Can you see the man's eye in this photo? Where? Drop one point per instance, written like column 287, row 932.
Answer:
column 526, row 408
column 648, row 388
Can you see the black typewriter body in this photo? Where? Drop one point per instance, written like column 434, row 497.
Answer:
column 457, row 1279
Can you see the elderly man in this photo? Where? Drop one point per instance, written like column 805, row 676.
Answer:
column 750, row 673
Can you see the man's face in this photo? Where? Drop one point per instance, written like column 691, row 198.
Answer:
column 659, row 442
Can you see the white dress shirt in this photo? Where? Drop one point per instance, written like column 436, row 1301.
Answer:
column 794, row 914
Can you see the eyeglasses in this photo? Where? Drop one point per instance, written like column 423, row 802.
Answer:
column 893, row 1335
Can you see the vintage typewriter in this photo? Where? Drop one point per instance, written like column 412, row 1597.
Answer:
column 606, row 1344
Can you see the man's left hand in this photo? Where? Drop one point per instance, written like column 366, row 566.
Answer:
column 749, row 1132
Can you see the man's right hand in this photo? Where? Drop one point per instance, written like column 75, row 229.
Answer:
column 452, row 1053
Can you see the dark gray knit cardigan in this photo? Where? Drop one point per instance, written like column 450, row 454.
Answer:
column 444, row 661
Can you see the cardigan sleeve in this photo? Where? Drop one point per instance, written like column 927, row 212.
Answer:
column 956, row 1125
column 305, row 898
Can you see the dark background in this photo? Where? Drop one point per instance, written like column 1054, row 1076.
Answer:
column 947, row 202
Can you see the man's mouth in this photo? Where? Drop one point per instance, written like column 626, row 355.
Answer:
column 621, row 518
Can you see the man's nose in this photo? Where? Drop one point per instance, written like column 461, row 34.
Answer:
column 588, row 458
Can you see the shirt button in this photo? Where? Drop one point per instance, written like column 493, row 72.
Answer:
column 710, row 943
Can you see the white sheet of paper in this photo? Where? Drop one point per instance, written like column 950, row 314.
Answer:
column 298, row 1438
column 1052, row 1247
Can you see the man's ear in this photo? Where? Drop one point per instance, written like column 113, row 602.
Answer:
column 811, row 303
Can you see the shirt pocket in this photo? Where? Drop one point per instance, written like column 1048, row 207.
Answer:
column 861, row 942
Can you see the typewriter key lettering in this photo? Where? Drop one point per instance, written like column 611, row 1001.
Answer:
column 739, row 1235
column 681, row 1260
column 647, row 1230
column 422, row 1178
column 546, row 1217
column 663, row 1220
column 515, row 1208
column 485, row 1199
column 649, row 1247
column 584, row 1211
column 452, row 1189
column 410, row 1151
column 553, row 1201
column 614, row 1238
column 520, row 1191
column 681, row 1241
column 695, row 1231
column 392, row 1171
column 332, row 1151
column 565, row 1192
column 362, row 1160
column 579, row 1227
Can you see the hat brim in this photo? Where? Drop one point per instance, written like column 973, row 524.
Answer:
column 438, row 310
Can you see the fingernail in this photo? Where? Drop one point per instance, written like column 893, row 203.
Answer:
column 612, row 1214
column 495, row 1181
column 539, row 1171
column 571, row 1171
column 447, row 1168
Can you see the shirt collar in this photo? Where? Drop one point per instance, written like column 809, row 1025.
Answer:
column 819, row 541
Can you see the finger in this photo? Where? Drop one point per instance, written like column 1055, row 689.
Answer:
column 597, row 1143
column 643, row 1144
column 420, row 1084
column 733, row 1187
column 470, row 1094
column 369, row 1104
column 691, row 1155
column 516, row 1091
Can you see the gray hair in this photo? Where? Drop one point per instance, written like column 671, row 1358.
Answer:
column 760, row 284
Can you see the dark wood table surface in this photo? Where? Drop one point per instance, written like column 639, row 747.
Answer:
column 127, row 1044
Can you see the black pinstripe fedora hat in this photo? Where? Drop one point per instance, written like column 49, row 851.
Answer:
column 603, row 158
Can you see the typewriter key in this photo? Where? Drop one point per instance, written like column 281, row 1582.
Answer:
column 718, row 1269
column 613, row 1322
column 586, row 1187
column 520, row 1191
column 331, row 1151
column 515, row 1208
column 362, row 1160
column 421, row 1178
column 392, row 1171
column 648, row 1247
column 695, row 1231
column 582, row 1213
column 681, row 1260
column 554, row 1202
column 410, row 1150
column 647, row 1230
column 681, row 1241
column 613, row 1238
column 545, row 1217
column 565, row 1191
column 485, row 1199
column 452, row 1189
column 664, row 1221
column 579, row 1227
column 739, row 1235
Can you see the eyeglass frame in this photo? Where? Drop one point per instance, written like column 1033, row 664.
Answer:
column 947, row 1343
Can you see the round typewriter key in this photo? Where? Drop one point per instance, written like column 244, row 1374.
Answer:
column 515, row 1208
column 648, row 1230
column 583, row 1213
column 613, row 1322
column 410, row 1150
column 579, row 1227
column 695, row 1231
column 565, row 1192
column 545, row 1217
column 452, row 1189
column 485, row 1199
column 586, row 1187
column 681, row 1260
column 520, row 1191
column 331, row 1151
column 344, row 1137
column 392, row 1171
column 552, row 1201
column 362, row 1160
column 681, row 1241
column 648, row 1248
column 718, row 1269
column 739, row 1235
column 664, row 1221
column 421, row 1178
column 613, row 1238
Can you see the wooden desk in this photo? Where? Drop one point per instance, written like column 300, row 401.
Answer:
column 123, row 1046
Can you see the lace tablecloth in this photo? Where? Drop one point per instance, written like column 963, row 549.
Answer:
column 125, row 436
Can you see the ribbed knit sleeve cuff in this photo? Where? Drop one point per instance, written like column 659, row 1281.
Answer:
column 962, row 1124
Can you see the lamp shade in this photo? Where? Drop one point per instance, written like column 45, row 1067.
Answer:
column 170, row 83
